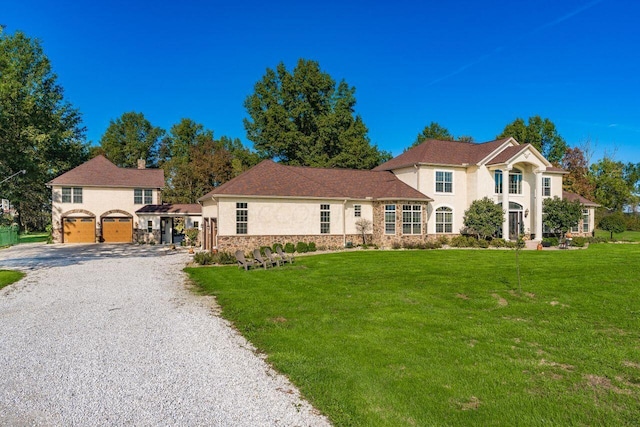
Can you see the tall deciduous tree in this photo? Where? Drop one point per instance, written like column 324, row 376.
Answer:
column 40, row 132
column 129, row 138
column 539, row 132
column 611, row 189
column 433, row 131
column 304, row 118
column 194, row 162
column 577, row 180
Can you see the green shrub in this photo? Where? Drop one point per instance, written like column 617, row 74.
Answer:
column 262, row 248
column 579, row 242
column 432, row 244
column 203, row 258
column 443, row 240
column 49, row 230
column 550, row 241
column 498, row 243
column 482, row 243
column 289, row 248
column 302, row 248
column 396, row 245
column 312, row 247
column 224, row 258
column 463, row 242
column 274, row 247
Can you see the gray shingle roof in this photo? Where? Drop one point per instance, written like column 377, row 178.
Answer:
column 270, row 179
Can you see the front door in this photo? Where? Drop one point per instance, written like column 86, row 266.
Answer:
column 515, row 224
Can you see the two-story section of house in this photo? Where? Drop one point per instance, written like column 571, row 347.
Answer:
column 456, row 173
column 97, row 201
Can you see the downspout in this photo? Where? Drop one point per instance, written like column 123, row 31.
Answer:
column 344, row 223
column 415, row 166
column 216, row 221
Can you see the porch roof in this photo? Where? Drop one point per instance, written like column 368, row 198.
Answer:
column 178, row 209
column 573, row 197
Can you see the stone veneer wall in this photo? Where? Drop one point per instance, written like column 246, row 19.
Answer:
column 143, row 236
column 387, row 240
column 249, row 243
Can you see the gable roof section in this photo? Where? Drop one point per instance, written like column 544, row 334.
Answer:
column 509, row 153
column 176, row 209
column 435, row 151
column 270, row 179
column 573, row 197
column 100, row 172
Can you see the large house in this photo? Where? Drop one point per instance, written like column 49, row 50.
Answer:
column 101, row 202
column 421, row 194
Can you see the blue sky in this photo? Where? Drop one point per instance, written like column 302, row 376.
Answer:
column 472, row 66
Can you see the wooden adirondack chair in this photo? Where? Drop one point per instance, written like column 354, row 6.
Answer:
column 285, row 257
column 257, row 257
column 243, row 262
column 274, row 260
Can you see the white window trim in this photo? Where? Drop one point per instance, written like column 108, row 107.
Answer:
column 435, row 219
column 411, row 222
column 395, row 220
column 546, row 178
column 435, row 182
column 494, row 181
column 514, row 172
column 325, row 208
column 245, row 208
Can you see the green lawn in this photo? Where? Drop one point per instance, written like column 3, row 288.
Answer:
column 8, row 277
column 33, row 237
column 628, row 236
column 395, row 338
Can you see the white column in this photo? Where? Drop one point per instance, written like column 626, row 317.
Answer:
column 538, row 206
column 505, row 202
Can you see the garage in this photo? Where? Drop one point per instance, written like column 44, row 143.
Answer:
column 117, row 230
column 79, row 230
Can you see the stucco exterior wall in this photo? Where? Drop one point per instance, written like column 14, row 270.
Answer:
column 286, row 216
column 97, row 202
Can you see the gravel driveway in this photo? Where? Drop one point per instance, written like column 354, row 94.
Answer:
column 108, row 335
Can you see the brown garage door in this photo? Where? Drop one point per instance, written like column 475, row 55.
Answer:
column 117, row 230
column 79, row 230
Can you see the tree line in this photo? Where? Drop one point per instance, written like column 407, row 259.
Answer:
column 298, row 117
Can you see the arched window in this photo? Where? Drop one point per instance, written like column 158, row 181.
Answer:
column 444, row 220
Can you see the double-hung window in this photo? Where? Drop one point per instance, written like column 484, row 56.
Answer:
column 242, row 218
column 71, row 194
column 515, row 182
column 325, row 219
column 142, row 196
column 444, row 182
column 497, row 176
column 357, row 211
column 444, row 220
column 411, row 219
column 585, row 221
column 546, row 186
column 390, row 219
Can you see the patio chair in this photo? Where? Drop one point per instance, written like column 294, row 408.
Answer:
column 257, row 257
column 274, row 260
column 243, row 262
column 285, row 257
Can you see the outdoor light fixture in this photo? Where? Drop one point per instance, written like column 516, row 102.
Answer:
column 8, row 178
column 526, row 213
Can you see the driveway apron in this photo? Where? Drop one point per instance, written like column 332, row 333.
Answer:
column 116, row 339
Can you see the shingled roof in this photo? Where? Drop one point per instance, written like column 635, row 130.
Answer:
column 438, row 152
column 100, row 172
column 572, row 197
column 270, row 179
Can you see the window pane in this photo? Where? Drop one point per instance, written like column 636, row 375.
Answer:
column 137, row 196
column 66, row 195
column 148, row 197
column 390, row 219
column 77, row 195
